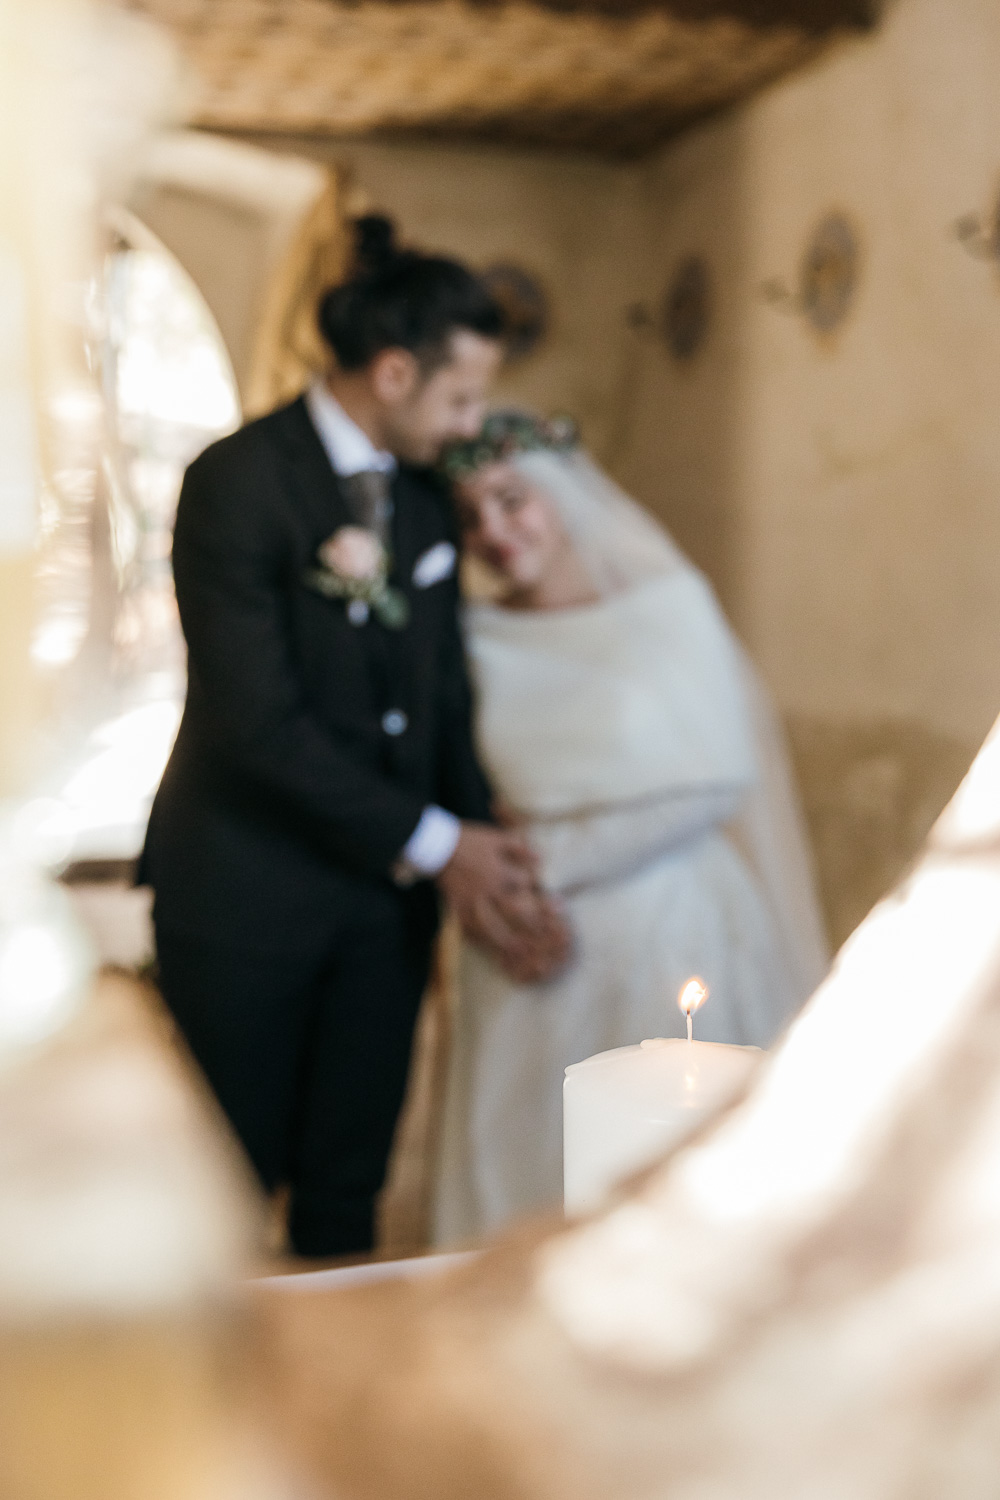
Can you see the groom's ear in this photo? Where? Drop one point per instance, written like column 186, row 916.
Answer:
column 394, row 374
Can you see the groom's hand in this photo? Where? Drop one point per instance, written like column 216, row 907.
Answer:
column 488, row 863
column 490, row 883
column 538, row 940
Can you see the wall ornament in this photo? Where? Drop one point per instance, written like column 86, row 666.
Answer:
column 829, row 274
column 525, row 306
column 685, row 311
column 981, row 237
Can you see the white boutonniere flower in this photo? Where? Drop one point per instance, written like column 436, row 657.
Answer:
column 353, row 553
column 353, row 565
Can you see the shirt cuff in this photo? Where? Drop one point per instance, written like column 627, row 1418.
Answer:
column 429, row 847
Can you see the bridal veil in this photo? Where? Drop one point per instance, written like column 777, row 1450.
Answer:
column 622, row 546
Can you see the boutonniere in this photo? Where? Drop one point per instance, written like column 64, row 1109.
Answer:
column 354, row 565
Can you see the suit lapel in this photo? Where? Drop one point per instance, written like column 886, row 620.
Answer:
column 320, row 501
column 316, row 485
column 405, row 526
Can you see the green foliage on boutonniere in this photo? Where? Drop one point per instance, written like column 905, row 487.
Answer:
column 353, row 565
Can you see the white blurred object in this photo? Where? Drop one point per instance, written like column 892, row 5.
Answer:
column 46, row 959
column 119, row 1192
column 70, row 114
column 109, row 794
column 118, row 920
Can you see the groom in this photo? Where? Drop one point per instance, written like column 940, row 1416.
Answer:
column 324, row 790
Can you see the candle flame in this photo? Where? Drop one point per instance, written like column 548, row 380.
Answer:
column 693, row 996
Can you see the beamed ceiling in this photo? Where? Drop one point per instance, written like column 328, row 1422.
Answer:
column 606, row 75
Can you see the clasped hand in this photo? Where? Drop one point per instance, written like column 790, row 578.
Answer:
column 491, row 883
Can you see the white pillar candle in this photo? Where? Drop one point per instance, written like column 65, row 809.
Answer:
column 625, row 1108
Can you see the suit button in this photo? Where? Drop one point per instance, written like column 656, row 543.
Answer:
column 395, row 721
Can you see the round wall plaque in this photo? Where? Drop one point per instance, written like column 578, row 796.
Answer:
column 686, row 310
column 524, row 304
column 830, row 272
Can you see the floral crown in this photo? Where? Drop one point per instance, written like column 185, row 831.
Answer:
column 505, row 433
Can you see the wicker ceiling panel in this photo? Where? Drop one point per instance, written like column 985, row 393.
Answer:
column 527, row 72
column 816, row 15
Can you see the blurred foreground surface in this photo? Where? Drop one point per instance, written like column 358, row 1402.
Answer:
column 126, row 1225
column 805, row 1302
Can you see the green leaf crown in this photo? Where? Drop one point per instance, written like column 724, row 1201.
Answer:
column 505, row 433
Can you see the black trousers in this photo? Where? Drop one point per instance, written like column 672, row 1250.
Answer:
column 308, row 1051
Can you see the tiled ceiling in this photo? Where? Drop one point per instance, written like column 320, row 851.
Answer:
column 605, row 75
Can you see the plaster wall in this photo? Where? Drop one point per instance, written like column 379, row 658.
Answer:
column 571, row 219
column 844, row 492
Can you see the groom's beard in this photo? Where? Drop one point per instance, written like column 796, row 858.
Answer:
column 418, row 431
column 419, row 449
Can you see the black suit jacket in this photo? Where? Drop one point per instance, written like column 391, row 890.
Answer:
column 283, row 782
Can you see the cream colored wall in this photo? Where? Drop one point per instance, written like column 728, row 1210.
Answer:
column 569, row 218
column 845, row 494
column 866, row 471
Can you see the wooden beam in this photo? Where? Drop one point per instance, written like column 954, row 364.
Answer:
column 810, row 15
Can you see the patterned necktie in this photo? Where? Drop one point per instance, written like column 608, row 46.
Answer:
column 368, row 500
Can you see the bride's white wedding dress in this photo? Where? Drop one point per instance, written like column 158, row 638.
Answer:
column 633, row 738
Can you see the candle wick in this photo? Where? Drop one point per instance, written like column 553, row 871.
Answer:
column 690, row 1027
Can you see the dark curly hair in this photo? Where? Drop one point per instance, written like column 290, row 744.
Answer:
column 402, row 299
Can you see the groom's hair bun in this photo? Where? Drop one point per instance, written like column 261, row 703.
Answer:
column 397, row 298
column 375, row 248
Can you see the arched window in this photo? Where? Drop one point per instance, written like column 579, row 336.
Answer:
column 169, row 390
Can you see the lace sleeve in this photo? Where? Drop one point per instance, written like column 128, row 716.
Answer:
column 597, row 847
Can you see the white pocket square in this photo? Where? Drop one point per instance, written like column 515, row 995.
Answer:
column 436, row 563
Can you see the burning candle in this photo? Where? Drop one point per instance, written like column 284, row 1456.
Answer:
column 691, row 998
column 624, row 1109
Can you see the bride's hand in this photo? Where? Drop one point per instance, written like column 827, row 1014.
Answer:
column 490, row 883
column 536, row 941
column 507, row 816
column 487, row 863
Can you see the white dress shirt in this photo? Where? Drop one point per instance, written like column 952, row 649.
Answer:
column 351, row 451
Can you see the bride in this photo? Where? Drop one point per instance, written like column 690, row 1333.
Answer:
column 622, row 725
